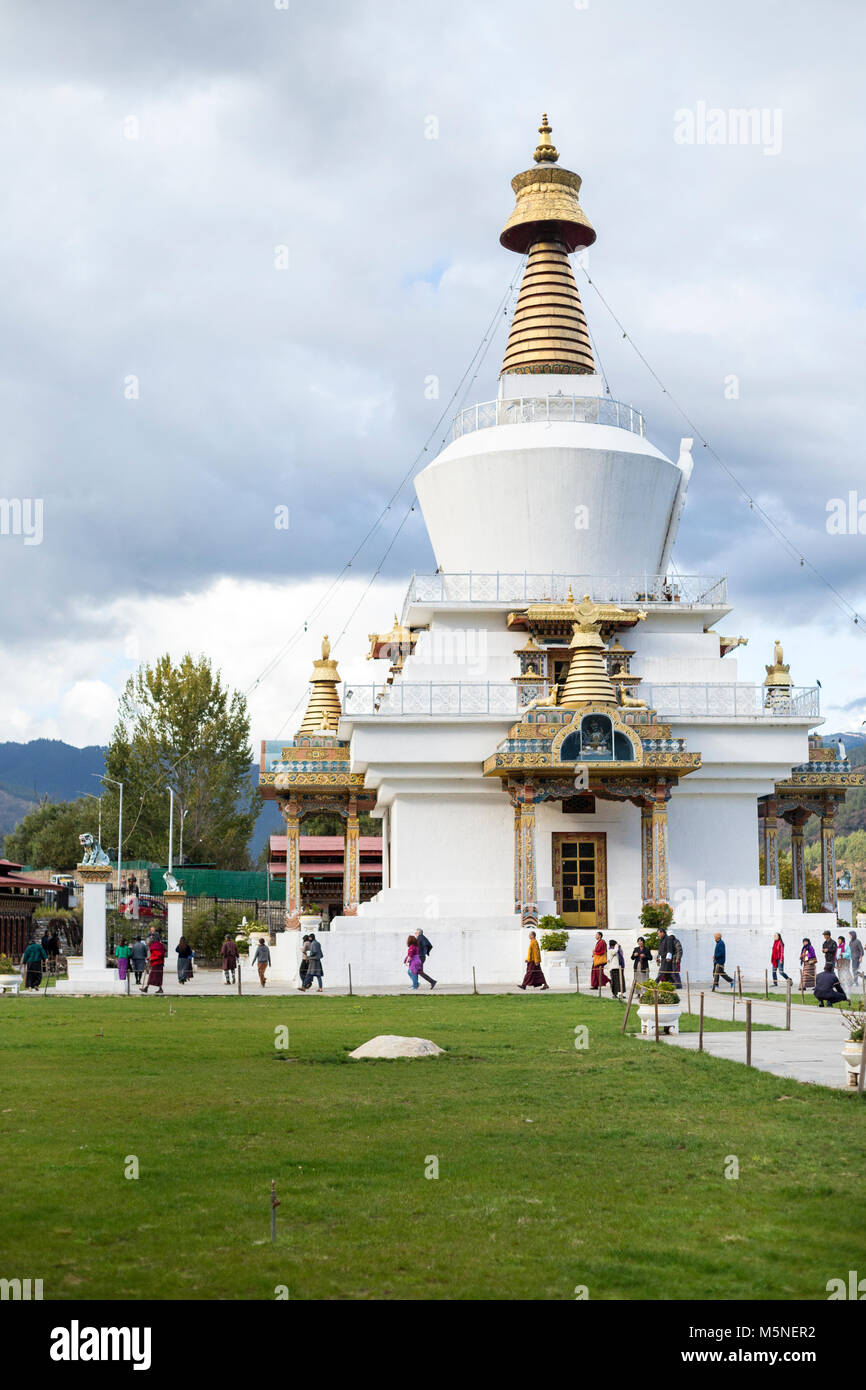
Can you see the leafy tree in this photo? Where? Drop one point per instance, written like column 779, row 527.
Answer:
column 47, row 837
column 179, row 725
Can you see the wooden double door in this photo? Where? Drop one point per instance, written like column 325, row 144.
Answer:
column 580, row 878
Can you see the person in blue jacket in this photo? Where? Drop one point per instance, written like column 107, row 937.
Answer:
column 719, row 964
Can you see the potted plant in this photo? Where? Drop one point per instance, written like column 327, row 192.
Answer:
column 669, row 1007
column 852, row 1048
column 554, row 939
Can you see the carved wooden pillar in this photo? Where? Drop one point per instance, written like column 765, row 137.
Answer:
column 291, row 815
column 351, row 863
column 798, row 860
column 646, row 854
column 525, row 891
column 829, row 899
column 659, row 830
column 771, row 844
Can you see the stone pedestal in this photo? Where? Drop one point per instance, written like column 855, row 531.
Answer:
column 845, row 908
column 174, row 926
column 88, row 973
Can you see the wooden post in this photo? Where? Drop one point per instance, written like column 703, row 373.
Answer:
column 350, row 980
column 739, row 983
column 766, row 985
column 862, row 1075
column 733, row 1004
column 577, row 980
column 274, row 1205
column 240, row 991
column 628, row 1005
column 656, row 1003
column 701, row 1026
column 474, row 982
column 788, row 1007
column 748, row 1032
column 688, row 993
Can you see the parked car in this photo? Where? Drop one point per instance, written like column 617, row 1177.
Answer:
column 147, row 907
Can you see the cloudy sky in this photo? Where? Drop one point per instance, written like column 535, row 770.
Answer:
column 233, row 256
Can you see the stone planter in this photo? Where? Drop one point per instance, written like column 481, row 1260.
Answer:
column 13, row 982
column 669, row 1018
column 551, row 958
column 851, row 1054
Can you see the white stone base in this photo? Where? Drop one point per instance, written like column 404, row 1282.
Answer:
column 84, row 979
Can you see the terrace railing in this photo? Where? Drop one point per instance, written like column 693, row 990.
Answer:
column 533, row 410
column 472, row 587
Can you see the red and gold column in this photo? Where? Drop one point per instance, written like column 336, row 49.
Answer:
column 771, row 845
column 351, row 863
column 525, row 890
column 829, row 899
column 659, row 831
column 291, row 815
column 646, row 854
column 798, row 858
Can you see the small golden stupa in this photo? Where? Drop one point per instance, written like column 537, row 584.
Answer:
column 588, row 681
column 323, row 707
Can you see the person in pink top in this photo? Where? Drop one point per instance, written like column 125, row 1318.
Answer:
column 415, row 963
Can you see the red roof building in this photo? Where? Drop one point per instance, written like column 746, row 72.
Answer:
column 322, row 869
column 19, row 898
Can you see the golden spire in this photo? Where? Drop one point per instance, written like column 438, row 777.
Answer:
column 545, row 151
column 588, row 681
column 548, row 332
column 323, row 708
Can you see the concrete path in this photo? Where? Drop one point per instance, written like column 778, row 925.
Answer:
column 811, row 1051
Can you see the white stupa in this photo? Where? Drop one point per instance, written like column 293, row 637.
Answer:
column 562, row 729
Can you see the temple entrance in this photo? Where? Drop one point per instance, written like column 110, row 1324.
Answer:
column 580, row 879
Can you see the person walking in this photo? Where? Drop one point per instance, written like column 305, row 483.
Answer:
column 262, row 959
column 807, row 964
column 412, row 959
column 828, row 947
column 677, row 948
column 32, row 959
column 229, row 957
column 777, row 958
column 642, row 957
column 616, row 965
column 665, row 956
column 304, row 965
column 138, row 958
column 121, row 955
column 534, row 976
column 424, row 946
column 855, row 946
column 315, row 956
column 843, row 963
column 155, row 964
column 719, row 953
column 184, row 960
column 828, row 989
column 598, row 979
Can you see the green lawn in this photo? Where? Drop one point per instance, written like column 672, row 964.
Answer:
column 557, row 1167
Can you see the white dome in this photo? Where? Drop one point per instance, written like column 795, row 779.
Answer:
column 563, row 498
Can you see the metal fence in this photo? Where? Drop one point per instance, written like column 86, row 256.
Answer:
column 547, row 410
column 689, row 589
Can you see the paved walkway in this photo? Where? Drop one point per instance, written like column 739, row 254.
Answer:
column 811, row 1051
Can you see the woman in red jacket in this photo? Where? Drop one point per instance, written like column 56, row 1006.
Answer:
column 155, row 962
column 777, row 958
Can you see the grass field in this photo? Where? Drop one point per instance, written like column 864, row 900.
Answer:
column 602, row 1167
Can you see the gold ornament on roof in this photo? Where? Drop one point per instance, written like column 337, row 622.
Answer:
column 545, row 151
column 778, row 675
column 324, row 701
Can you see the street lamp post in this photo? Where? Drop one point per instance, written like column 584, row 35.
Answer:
column 170, row 791
column 183, row 815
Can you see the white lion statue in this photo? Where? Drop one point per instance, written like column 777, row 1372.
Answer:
column 94, row 854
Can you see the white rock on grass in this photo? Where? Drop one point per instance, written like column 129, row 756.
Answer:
column 392, row 1045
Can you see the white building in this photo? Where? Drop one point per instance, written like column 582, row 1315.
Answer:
column 562, row 729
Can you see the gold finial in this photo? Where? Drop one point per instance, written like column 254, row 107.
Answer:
column 545, row 151
column 570, row 594
column 326, row 648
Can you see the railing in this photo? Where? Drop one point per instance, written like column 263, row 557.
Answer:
column 689, row 589
column 533, row 410
column 457, row 699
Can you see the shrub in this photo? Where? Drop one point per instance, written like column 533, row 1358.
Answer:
column 554, row 940
column 6, row 966
column 854, row 1022
column 654, row 916
column 551, row 923
column 205, row 930
column 662, row 990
